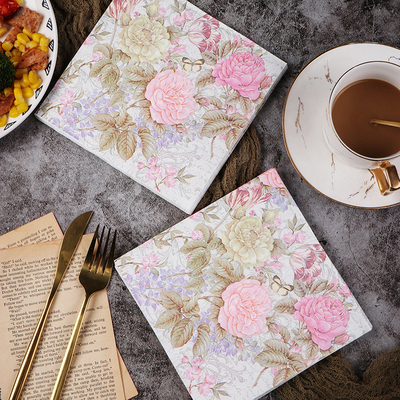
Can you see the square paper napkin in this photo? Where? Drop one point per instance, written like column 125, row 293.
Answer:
column 163, row 92
column 241, row 294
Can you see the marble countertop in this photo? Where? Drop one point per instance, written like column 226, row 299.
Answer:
column 42, row 171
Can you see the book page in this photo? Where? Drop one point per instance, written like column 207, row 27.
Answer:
column 26, row 276
column 44, row 229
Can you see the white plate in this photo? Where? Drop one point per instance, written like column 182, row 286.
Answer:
column 49, row 29
column 302, row 128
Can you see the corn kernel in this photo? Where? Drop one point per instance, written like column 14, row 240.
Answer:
column 21, row 48
column 13, row 113
column 18, row 93
column 15, row 60
column 36, row 36
column 20, row 72
column 25, row 79
column 8, row 91
column 3, row 31
column 44, row 48
column 23, row 38
column 17, row 102
column 23, row 84
column 33, row 77
column 17, row 84
column 7, row 46
column 23, row 107
column 27, row 33
column 27, row 92
column 20, row 2
column 8, row 54
column 37, row 84
column 44, row 41
column 31, row 45
column 3, row 120
column 15, row 52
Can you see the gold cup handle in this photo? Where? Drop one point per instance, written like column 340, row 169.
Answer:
column 387, row 178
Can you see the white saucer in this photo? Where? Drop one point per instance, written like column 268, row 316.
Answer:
column 302, row 128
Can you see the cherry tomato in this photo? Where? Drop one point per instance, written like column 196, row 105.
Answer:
column 8, row 7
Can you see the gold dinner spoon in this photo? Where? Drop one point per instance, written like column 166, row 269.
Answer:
column 383, row 122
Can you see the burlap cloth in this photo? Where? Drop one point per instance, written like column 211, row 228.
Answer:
column 333, row 377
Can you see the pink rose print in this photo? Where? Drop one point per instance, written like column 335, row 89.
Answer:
column 153, row 162
column 345, row 291
column 198, row 361
column 193, row 372
column 271, row 178
column 67, row 97
column 88, row 40
column 180, row 19
column 326, row 318
column 197, row 235
column 170, row 170
column 205, row 387
column 204, row 34
column 291, row 237
column 306, row 262
column 170, row 178
column 243, row 71
column 246, row 304
column 195, row 216
column 171, row 96
column 154, row 172
column 342, row 339
column 97, row 56
column 170, row 181
column 248, row 43
column 267, row 82
column 274, row 262
column 150, row 261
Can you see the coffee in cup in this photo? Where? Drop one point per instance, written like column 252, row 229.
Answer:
column 367, row 91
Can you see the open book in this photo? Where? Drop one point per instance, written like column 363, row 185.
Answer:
column 28, row 258
column 163, row 92
column 241, row 294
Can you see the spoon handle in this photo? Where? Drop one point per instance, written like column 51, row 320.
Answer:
column 383, row 122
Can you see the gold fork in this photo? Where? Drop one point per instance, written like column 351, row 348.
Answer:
column 94, row 276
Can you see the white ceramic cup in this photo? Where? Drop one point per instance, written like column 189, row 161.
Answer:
column 384, row 172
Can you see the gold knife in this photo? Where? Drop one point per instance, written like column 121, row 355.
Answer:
column 72, row 237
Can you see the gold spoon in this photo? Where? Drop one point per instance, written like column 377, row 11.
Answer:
column 383, row 122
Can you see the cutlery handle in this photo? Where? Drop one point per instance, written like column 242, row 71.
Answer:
column 66, row 362
column 31, row 351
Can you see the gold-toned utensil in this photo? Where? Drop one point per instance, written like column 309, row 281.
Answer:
column 94, row 276
column 387, row 123
column 72, row 237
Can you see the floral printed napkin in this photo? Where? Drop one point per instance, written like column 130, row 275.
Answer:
column 163, row 92
column 241, row 295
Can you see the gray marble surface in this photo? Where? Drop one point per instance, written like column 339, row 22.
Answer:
column 41, row 172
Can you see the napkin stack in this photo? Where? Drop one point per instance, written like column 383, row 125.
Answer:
column 241, row 294
column 28, row 260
